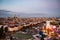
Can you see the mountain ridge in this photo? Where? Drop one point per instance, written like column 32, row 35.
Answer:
column 5, row 13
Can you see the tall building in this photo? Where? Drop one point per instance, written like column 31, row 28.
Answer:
column 47, row 24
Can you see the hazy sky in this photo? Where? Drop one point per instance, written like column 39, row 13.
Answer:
column 50, row 7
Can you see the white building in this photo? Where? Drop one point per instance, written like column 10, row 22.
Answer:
column 47, row 24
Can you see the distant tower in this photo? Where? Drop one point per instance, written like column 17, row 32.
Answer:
column 16, row 18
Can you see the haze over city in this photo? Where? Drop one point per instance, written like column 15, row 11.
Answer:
column 30, row 8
